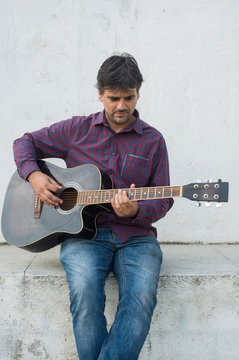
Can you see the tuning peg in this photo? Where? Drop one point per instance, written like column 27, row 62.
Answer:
column 197, row 204
column 207, row 204
column 218, row 205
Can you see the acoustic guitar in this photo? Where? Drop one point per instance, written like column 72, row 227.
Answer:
column 86, row 191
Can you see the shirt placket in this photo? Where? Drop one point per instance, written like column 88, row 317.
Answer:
column 113, row 151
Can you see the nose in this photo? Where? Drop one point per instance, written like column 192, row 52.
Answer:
column 121, row 105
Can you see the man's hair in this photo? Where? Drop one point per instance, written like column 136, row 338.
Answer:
column 119, row 72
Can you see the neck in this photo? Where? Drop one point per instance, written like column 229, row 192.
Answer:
column 116, row 126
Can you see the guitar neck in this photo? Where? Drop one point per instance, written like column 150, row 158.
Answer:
column 91, row 197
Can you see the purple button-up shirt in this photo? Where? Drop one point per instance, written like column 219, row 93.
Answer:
column 136, row 154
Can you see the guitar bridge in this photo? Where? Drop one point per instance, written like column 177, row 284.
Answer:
column 37, row 207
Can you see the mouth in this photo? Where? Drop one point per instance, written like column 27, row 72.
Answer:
column 120, row 113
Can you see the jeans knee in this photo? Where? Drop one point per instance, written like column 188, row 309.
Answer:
column 86, row 294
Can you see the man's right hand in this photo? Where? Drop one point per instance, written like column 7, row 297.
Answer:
column 44, row 186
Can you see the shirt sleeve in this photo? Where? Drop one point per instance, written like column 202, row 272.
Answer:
column 48, row 142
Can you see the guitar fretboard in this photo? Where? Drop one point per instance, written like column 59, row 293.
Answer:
column 91, row 197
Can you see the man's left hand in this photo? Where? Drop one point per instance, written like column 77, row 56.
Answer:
column 123, row 206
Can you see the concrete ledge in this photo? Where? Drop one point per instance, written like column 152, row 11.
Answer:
column 197, row 315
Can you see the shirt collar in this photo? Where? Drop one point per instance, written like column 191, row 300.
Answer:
column 136, row 126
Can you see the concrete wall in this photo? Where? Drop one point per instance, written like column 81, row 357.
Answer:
column 188, row 53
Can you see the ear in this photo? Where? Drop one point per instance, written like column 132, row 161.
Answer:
column 100, row 96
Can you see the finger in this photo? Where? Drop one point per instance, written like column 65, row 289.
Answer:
column 120, row 197
column 125, row 197
column 115, row 208
column 48, row 198
column 117, row 201
column 54, row 186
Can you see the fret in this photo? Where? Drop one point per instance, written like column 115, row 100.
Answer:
column 107, row 196
column 130, row 193
column 86, row 198
column 151, row 193
column 96, row 197
column 100, row 197
column 144, row 193
column 167, row 192
column 176, row 191
column 89, row 197
column 82, row 197
column 159, row 191
column 78, row 198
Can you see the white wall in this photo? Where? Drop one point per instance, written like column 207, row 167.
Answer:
column 188, row 52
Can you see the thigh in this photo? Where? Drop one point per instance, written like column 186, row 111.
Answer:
column 87, row 262
column 137, row 267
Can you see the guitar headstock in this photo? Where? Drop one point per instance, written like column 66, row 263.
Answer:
column 209, row 191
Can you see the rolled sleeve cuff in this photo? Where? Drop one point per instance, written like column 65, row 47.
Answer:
column 141, row 213
column 27, row 169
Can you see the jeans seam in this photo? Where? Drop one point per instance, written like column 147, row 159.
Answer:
column 123, row 292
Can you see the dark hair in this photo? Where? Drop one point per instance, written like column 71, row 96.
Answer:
column 119, row 72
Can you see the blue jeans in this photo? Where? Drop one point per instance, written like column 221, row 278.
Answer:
column 136, row 266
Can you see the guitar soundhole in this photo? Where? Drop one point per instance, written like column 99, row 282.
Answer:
column 69, row 197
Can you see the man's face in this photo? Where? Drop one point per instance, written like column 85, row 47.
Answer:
column 119, row 106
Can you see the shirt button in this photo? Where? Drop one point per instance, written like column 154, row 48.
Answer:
column 112, row 153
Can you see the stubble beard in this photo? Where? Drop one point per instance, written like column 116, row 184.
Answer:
column 122, row 120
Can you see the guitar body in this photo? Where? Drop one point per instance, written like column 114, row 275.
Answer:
column 54, row 225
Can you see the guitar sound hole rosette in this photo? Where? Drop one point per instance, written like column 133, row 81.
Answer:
column 69, row 196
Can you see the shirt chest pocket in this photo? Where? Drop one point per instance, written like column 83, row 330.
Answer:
column 135, row 170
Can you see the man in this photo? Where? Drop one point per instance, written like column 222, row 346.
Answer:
column 133, row 154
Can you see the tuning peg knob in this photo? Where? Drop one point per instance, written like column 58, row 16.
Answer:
column 207, row 204
column 197, row 204
column 218, row 205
